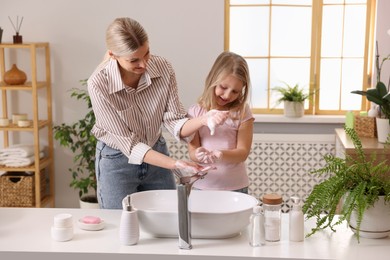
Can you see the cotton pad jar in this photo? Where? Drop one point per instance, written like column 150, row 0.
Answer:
column 62, row 229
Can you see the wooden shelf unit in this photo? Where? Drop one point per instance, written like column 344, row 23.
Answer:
column 38, row 124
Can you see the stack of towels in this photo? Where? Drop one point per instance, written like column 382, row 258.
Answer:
column 18, row 155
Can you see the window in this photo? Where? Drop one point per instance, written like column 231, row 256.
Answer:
column 325, row 46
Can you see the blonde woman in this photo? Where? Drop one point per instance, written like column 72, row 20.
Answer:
column 227, row 148
column 134, row 94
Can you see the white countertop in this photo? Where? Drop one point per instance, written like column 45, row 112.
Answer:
column 25, row 232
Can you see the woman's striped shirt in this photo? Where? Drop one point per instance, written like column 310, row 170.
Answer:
column 131, row 119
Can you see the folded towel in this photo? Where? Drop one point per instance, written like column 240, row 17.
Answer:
column 19, row 161
column 18, row 150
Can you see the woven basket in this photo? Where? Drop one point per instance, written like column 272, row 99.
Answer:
column 365, row 126
column 17, row 189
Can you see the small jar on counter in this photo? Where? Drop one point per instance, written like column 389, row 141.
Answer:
column 272, row 205
column 62, row 229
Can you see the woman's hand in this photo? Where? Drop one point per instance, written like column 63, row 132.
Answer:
column 187, row 167
column 214, row 118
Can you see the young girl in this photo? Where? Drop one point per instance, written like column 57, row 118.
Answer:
column 226, row 89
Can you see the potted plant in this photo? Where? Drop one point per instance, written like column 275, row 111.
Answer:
column 78, row 138
column 293, row 98
column 381, row 97
column 356, row 185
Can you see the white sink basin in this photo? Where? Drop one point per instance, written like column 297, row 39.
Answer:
column 214, row 214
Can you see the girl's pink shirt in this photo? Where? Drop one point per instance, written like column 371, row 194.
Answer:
column 227, row 176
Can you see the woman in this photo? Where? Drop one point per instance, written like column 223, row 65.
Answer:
column 134, row 94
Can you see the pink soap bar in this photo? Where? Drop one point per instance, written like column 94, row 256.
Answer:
column 91, row 220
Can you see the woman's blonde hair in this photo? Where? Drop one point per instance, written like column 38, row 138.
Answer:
column 124, row 36
column 227, row 63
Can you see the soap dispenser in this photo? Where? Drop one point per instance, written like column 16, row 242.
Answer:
column 296, row 221
column 129, row 226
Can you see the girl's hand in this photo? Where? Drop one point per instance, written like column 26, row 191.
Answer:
column 207, row 157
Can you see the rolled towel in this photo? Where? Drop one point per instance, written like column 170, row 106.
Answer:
column 20, row 161
column 18, row 150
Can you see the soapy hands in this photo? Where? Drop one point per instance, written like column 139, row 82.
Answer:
column 213, row 118
column 189, row 168
column 207, row 157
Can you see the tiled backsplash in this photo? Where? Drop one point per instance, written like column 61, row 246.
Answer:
column 279, row 163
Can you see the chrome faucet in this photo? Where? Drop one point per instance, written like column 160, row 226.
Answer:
column 183, row 193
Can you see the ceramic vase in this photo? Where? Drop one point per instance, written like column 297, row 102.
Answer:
column 383, row 129
column 15, row 76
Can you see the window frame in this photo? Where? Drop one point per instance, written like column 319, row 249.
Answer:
column 315, row 57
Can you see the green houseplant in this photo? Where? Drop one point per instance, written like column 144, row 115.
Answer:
column 381, row 97
column 380, row 94
column 78, row 138
column 357, row 181
column 293, row 98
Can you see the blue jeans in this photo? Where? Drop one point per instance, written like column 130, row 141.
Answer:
column 116, row 178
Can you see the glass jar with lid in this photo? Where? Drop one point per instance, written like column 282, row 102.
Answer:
column 272, row 205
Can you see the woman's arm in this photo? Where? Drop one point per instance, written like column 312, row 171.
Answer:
column 158, row 159
column 236, row 155
column 192, row 125
column 192, row 146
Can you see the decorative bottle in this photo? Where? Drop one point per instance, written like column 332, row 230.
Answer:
column 296, row 222
column 349, row 119
column 257, row 234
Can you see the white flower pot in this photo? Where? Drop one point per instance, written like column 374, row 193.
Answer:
column 293, row 109
column 85, row 202
column 375, row 222
column 383, row 129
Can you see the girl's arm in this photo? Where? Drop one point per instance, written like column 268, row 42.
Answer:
column 244, row 144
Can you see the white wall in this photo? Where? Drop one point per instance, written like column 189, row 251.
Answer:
column 188, row 33
column 382, row 27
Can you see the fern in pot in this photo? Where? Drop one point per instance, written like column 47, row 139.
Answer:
column 293, row 99
column 78, row 138
column 357, row 185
